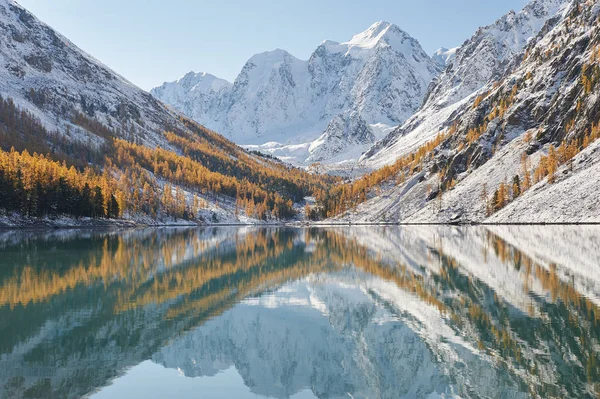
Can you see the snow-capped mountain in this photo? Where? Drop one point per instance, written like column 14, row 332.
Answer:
column 380, row 77
column 198, row 93
column 444, row 56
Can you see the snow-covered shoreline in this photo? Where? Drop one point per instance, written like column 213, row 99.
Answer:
column 89, row 223
column 533, row 223
column 18, row 222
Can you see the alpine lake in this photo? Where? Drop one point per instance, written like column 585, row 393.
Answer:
column 331, row 312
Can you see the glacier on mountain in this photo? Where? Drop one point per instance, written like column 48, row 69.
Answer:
column 288, row 107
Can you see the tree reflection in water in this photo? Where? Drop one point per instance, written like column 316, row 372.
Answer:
column 367, row 311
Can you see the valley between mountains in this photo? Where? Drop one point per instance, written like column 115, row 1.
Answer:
column 501, row 129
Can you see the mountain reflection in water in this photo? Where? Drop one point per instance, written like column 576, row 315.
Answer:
column 362, row 312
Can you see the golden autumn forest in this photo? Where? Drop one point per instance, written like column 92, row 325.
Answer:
column 44, row 173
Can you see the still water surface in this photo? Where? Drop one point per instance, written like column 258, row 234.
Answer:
column 357, row 312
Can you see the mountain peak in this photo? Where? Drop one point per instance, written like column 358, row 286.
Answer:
column 202, row 81
column 277, row 54
column 375, row 33
column 443, row 56
column 330, row 43
column 271, row 59
column 381, row 73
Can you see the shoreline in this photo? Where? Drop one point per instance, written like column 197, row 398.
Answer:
column 457, row 224
column 128, row 224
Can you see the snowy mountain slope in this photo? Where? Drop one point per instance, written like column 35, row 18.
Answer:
column 199, row 94
column 380, row 77
column 485, row 56
column 267, row 96
column 344, row 130
column 511, row 132
column 481, row 60
column 44, row 73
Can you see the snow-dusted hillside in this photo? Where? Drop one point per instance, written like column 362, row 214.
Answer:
column 485, row 56
column 197, row 93
column 291, row 108
column 87, row 105
column 481, row 60
column 46, row 74
column 499, row 134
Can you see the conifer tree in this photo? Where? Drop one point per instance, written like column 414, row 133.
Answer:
column 516, row 188
column 98, row 203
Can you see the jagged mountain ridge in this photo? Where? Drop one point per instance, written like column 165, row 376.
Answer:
column 485, row 56
column 481, row 60
column 508, row 136
column 380, row 75
column 345, row 131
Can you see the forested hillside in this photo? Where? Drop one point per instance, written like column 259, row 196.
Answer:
column 46, row 174
column 78, row 140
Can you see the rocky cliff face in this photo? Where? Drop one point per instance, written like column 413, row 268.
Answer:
column 345, row 131
column 511, row 131
column 482, row 60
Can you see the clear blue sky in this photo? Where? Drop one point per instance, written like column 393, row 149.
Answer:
column 153, row 41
